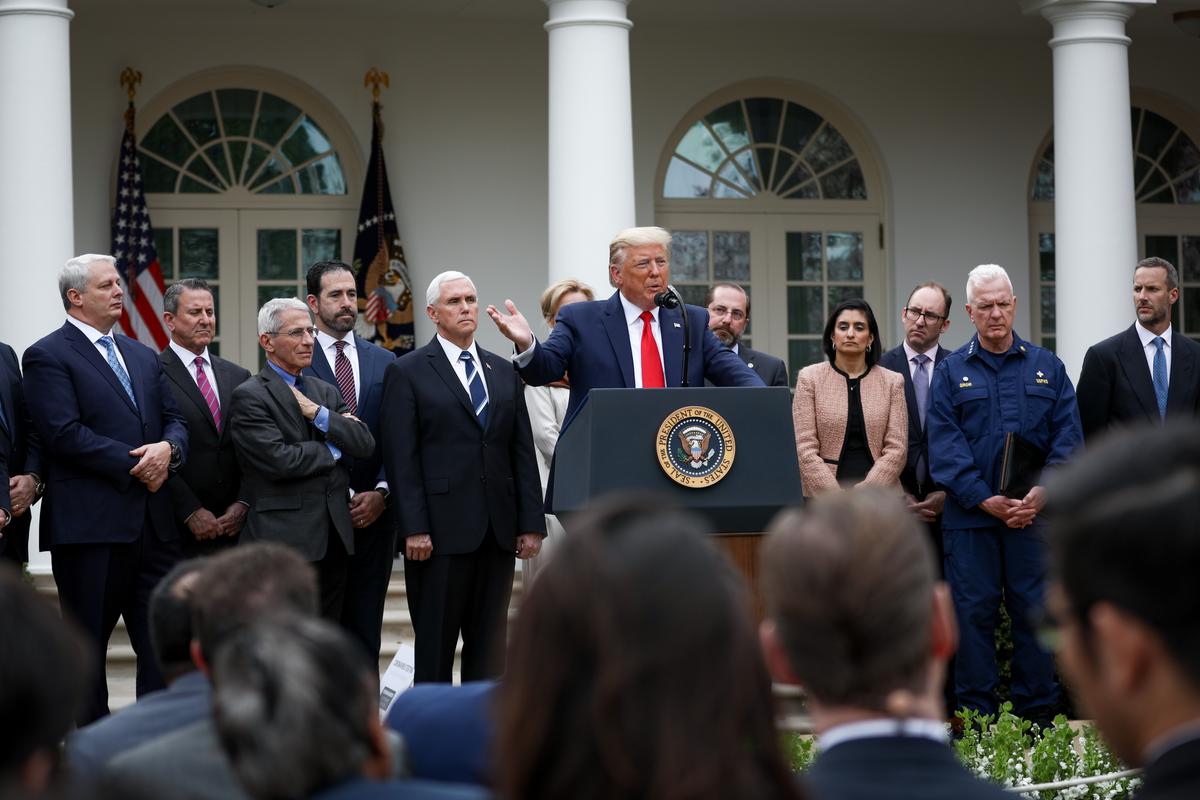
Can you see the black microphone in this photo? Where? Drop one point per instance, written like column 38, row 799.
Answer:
column 672, row 299
column 667, row 299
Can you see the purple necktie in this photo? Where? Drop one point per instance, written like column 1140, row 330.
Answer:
column 345, row 377
column 206, row 389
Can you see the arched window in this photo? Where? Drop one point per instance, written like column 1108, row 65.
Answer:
column 773, row 186
column 250, row 177
column 1166, row 179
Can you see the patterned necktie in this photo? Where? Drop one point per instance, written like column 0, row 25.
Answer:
column 108, row 344
column 207, row 391
column 652, row 368
column 1160, row 376
column 921, row 390
column 479, row 399
column 345, row 377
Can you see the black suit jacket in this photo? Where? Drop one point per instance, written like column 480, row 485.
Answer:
column 211, row 477
column 896, row 360
column 772, row 370
column 895, row 768
column 20, row 452
column 1175, row 775
column 450, row 477
column 295, row 487
column 1115, row 387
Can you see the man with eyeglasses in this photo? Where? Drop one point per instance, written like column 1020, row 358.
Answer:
column 728, row 315
column 995, row 385
column 292, row 433
column 1124, row 604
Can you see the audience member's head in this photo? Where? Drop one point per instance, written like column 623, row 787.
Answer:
column 296, row 708
column 170, row 618
column 563, row 293
column 1125, row 543
column 634, row 671
column 854, row 610
column 239, row 586
column 42, row 684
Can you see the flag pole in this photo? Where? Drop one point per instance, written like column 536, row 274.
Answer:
column 130, row 78
column 374, row 78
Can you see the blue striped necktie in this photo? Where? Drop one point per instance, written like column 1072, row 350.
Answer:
column 122, row 375
column 479, row 399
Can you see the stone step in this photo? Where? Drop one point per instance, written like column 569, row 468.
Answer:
column 121, row 661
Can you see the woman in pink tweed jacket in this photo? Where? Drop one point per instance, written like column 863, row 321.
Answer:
column 850, row 415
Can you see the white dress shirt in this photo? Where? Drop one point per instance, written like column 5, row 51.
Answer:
column 1148, row 346
column 883, row 728
column 328, row 346
column 634, row 325
column 94, row 336
column 453, row 352
column 189, row 360
column 910, row 354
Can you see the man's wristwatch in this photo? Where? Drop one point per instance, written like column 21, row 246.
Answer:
column 384, row 493
column 176, row 456
column 39, row 485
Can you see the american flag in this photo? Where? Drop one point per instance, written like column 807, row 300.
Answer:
column 133, row 248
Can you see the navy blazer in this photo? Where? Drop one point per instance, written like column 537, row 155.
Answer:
column 590, row 343
column 896, row 768
column 20, row 452
column 450, row 477
column 1116, row 388
column 366, row 789
column 365, row 473
column 449, row 731
column 1175, row 774
column 87, row 426
column 896, row 360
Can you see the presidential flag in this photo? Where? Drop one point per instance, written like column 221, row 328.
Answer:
column 385, row 299
column 133, row 248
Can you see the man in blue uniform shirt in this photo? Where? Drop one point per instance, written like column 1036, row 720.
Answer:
column 993, row 385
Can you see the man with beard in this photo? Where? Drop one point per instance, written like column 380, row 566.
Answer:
column 355, row 366
column 205, row 492
column 1143, row 373
column 728, row 315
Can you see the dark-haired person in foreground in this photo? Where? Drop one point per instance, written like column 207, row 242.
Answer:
column 1125, row 602
column 43, row 664
column 297, row 712
column 185, row 700
column 634, row 671
column 856, row 615
column 236, row 588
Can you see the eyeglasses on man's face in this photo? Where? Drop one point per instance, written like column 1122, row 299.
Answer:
column 915, row 314
column 296, row 333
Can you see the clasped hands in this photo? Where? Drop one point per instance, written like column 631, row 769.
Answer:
column 1016, row 513
column 419, row 546
column 310, row 409
column 154, row 461
column 205, row 525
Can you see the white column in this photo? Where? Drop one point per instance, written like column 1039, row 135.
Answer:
column 1095, row 218
column 36, row 204
column 591, row 137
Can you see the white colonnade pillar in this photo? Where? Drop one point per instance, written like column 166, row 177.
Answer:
column 1095, row 218
column 37, row 226
column 36, row 197
column 591, row 194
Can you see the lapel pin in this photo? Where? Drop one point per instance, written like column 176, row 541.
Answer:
column 677, row 325
column 487, row 364
column 750, row 364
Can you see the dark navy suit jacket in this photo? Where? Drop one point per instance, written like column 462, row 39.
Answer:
column 87, row 426
column 590, row 343
column 448, row 731
column 896, row 360
column 20, row 452
column 365, row 473
column 895, row 768
column 364, row 789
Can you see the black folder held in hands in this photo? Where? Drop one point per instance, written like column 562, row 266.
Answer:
column 1021, row 466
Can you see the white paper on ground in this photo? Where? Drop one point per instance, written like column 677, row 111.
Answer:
column 398, row 678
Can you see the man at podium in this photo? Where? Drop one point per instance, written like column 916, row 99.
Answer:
column 628, row 340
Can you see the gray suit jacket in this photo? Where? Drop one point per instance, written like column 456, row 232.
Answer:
column 188, row 764
column 295, row 487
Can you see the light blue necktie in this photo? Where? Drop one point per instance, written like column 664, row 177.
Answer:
column 478, row 394
column 1160, row 376
column 122, row 375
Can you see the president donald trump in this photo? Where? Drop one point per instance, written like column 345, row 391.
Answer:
column 627, row 340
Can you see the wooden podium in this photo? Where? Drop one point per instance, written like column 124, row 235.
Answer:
column 728, row 454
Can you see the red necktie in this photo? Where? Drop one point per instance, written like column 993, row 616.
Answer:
column 652, row 368
column 345, row 377
column 206, row 390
